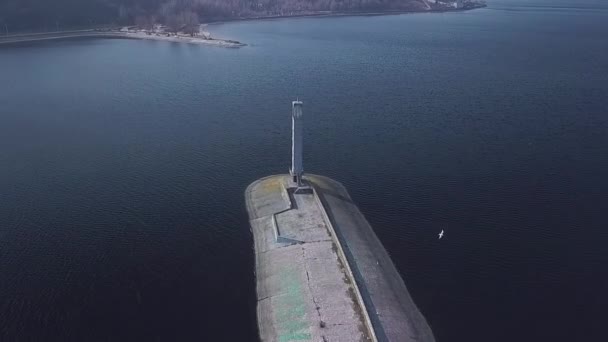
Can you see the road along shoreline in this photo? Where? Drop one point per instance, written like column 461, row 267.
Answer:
column 37, row 37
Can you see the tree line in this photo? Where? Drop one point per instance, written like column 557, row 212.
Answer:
column 48, row 15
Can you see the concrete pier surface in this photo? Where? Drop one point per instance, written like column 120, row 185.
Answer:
column 321, row 272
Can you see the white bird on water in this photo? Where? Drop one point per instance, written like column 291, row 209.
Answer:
column 441, row 234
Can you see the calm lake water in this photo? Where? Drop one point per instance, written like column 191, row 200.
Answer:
column 123, row 166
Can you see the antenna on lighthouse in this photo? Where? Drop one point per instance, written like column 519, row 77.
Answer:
column 297, row 123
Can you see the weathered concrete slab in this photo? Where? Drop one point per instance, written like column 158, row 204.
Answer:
column 304, row 293
column 269, row 197
column 305, row 223
column 392, row 311
column 322, row 274
column 264, row 238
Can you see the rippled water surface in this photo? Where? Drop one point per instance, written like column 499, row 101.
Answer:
column 123, row 165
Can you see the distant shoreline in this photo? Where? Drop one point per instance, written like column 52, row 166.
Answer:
column 181, row 38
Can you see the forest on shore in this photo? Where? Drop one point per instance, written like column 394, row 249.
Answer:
column 50, row 15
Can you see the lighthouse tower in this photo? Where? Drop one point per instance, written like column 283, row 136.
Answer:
column 297, row 124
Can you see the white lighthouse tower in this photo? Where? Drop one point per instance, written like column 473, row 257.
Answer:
column 297, row 123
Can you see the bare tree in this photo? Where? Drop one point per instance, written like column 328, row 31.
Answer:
column 192, row 25
column 145, row 22
column 173, row 22
column 4, row 25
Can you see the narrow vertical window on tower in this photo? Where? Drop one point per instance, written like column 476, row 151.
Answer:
column 297, row 124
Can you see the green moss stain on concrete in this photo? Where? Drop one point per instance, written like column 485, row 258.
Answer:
column 290, row 310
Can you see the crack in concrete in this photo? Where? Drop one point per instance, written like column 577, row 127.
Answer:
column 267, row 297
column 317, row 307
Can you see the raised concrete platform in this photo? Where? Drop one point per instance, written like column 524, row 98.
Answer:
column 321, row 272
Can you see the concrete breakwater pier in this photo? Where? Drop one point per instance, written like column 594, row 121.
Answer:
column 321, row 272
column 138, row 35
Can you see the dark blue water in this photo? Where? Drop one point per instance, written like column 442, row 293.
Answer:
column 123, row 165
